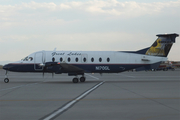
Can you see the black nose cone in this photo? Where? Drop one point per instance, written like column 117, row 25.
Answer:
column 6, row 67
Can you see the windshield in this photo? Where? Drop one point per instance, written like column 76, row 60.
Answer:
column 27, row 59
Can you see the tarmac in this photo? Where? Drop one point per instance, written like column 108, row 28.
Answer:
column 123, row 96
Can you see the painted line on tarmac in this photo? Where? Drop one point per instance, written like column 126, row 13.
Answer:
column 92, row 76
column 57, row 112
column 51, row 100
column 17, row 87
column 159, row 76
column 127, row 75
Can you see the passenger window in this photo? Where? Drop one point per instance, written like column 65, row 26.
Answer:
column 92, row 59
column 61, row 59
column 69, row 59
column 108, row 59
column 100, row 59
column 76, row 59
column 53, row 59
column 84, row 59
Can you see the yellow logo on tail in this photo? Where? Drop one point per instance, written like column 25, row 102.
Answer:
column 159, row 48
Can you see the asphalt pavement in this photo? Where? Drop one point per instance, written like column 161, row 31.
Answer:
column 127, row 96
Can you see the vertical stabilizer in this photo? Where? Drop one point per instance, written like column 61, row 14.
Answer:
column 162, row 45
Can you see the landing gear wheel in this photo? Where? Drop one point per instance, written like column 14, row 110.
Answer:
column 6, row 80
column 75, row 80
column 82, row 79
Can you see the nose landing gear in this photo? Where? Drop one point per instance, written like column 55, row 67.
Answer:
column 6, row 80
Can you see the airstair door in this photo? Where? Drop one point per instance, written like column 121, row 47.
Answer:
column 39, row 58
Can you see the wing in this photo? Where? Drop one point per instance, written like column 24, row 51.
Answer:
column 63, row 67
column 70, row 68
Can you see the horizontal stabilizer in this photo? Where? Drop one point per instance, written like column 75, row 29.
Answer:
column 171, row 37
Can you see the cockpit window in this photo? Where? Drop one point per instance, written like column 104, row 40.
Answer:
column 27, row 59
column 30, row 58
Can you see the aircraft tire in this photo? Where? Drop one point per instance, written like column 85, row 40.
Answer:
column 6, row 80
column 82, row 79
column 75, row 80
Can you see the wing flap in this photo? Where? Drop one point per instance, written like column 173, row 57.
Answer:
column 63, row 67
column 70, row 68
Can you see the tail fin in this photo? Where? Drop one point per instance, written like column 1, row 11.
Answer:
column 162, row 45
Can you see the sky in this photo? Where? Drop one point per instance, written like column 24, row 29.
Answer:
column 28, row 26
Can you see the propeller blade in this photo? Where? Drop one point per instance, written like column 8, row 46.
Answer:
column 43, row 73
column 52, row 75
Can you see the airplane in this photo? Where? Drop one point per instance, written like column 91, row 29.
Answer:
column 76, row 63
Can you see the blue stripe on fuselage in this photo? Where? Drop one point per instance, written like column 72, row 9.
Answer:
column 88, row 68
column 107, row 68
column 19, row 67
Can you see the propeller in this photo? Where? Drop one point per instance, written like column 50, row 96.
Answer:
column 43, row 73
column 43, row 64
column 52, row 75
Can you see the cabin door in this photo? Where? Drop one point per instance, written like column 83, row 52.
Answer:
column 39, row 58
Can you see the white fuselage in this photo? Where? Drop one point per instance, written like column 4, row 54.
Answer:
column 100, row 57
column 102, row 60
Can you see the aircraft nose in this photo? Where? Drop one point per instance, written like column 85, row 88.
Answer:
column 6, row 67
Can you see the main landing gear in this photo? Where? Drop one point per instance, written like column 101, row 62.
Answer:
column 6, row 80
column 76, row 79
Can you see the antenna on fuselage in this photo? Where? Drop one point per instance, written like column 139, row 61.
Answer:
column 54, row 49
